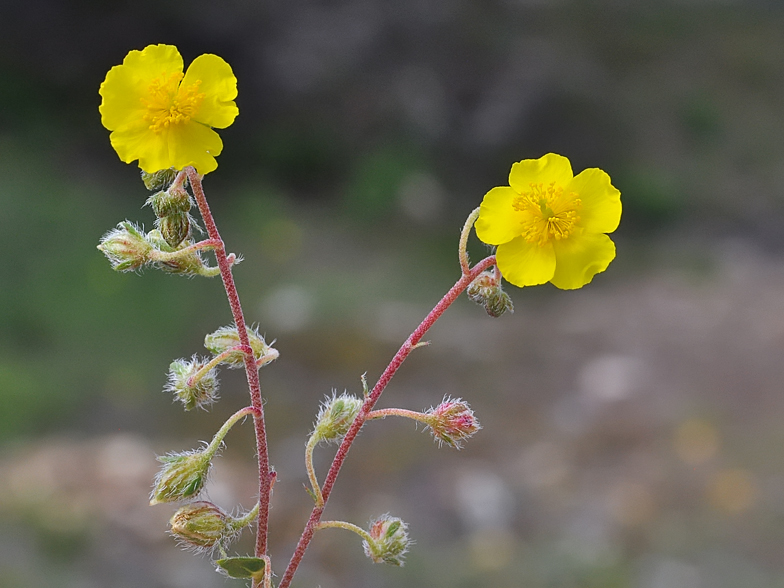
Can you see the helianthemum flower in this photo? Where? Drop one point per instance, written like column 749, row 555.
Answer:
column 549, row 225
column 164, row 118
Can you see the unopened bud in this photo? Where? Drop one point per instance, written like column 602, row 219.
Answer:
column 486, row 290
column 182, row 476
column 126, row 247
column 171, row 201
column 190, row 387
column 226, row 338
column 174, row 227
column 390, row 540
column 335, row 417
column 452, row 422
column 159, row 180
column 201, row 525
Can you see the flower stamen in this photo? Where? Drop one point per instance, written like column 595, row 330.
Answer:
column 551, row 213
column 170, row 103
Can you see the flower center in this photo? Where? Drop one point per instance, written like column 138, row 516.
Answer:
column 169, row 103
column 551, row 213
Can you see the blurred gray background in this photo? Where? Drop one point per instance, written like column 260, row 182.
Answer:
column 632, row 429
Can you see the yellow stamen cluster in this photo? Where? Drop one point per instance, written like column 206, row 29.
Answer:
column 552, row 213
column 171, row 104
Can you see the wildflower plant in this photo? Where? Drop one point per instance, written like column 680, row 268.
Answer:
column 548, row 225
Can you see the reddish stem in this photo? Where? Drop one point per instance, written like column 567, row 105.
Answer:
column 367, row 406
column 265, row 475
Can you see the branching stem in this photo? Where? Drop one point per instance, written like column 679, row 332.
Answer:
column 370, row 400
column 266, row 475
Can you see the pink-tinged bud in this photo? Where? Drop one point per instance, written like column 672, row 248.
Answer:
column 452, row 422
column 189, row 386
column 486, row 290
column 390, row 540
column 126, row 247
column 201, row 525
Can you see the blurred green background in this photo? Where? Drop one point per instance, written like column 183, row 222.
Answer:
column 633, row 431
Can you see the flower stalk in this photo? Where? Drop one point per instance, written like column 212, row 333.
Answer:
column 266, row 475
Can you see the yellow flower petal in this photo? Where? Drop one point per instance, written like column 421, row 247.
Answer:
column 194, row 144
column 601, row 201
column 548, row 168
column 133, row 142
column 498, row 222
column 525, row 264
column 580, row 258
column 219, row 86
column 127, row 85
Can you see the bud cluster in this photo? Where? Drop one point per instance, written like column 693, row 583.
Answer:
column 128, row 248
column 486, row 290
column 452, row 422
column 335, row 417
column 194, row 382
column 388, row 541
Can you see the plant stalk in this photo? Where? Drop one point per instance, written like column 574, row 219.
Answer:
column 370, row 400
column 266, row 476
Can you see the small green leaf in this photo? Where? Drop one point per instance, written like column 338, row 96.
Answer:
column 242, row 567
column 312, row 494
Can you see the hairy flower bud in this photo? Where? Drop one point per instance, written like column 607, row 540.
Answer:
column 126, row 247
column 159, row 180
column 335, row 417
column 486, row 290
column 174, row 227
column 182, row 476
column 390, row 540
column 170, row 201
column 201, row 525
column 452, row 422
column 225, row 338
column 190, row 387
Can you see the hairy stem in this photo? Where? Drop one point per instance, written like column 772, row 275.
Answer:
column 347, row 526
column 247, row 519
column 402, row 412
column 312, row 442
column 461, row 249
column 214, row 445
column 212, row 363
column 266, row 476
column 164, row 256
column 370, row 400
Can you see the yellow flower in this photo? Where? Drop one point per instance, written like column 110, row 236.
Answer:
column 550, row 225
column 164, row 118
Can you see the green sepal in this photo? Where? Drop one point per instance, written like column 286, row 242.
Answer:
column 242, row 567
